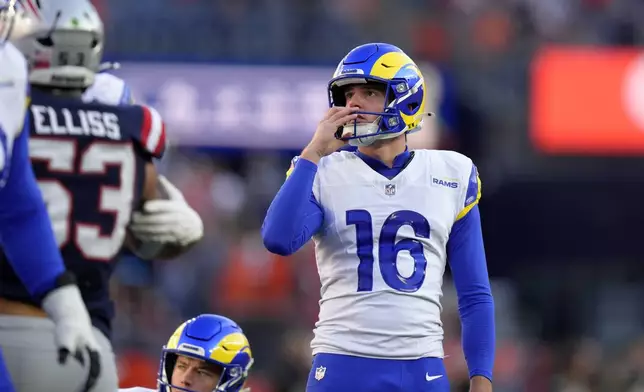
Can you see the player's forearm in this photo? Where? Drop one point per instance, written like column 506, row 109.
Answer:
column 475, row 303
column 27, row 239
column 478, row 336
column 293, row 216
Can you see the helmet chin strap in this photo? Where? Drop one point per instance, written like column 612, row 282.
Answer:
column 366, row 134
column 361, row 130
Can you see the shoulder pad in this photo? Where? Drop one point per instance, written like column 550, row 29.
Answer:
column 151, row 135
column 462, row 168
column 337, row 156
column 109, row 89
column 454, row 159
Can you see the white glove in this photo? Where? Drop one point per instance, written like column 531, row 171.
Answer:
column 73, row 333
column 167, row 221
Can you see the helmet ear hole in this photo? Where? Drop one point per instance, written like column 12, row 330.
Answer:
column 170, row 361
column 337, row 96
column 46, row 41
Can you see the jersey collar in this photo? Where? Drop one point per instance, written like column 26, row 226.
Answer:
column 399, row 161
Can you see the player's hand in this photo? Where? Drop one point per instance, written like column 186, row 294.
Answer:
column 480, row 384
column 324, row 141
column 73, row 333
column 167, row 221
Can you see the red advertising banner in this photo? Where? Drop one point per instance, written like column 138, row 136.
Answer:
column 588, row 101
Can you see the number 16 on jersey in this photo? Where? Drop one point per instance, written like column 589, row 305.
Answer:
column 388, row 249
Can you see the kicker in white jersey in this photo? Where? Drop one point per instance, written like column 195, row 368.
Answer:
column 386, row 310
column 385, row 220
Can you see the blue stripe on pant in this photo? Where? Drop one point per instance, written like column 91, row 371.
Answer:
column 5, row 379
column 345, row 373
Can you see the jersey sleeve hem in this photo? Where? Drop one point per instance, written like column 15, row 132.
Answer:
column 153, row 133
column 302, row 163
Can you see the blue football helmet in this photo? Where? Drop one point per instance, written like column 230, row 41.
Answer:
column 404, row 84
column 213, row 339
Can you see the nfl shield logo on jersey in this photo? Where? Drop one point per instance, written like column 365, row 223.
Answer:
column 390, row 189
column 319, row 373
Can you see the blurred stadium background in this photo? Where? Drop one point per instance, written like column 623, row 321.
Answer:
column 547, row 96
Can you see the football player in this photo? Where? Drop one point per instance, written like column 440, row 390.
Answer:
column 208, row 353
column 164, row 220
column 385, row 221
column 26, row 235
column 94, row 165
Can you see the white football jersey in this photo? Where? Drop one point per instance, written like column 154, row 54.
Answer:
column 109, row 90
column 137, row 389
column 13, row 102
column 381, row 252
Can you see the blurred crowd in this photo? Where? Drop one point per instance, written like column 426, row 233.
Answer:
column 562, row 325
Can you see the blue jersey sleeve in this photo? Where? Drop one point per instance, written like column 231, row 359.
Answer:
column 466, row 255
column 26, row 235
column 294, row 216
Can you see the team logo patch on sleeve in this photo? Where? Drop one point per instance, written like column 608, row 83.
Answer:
column 473, row 193
column 473, row 187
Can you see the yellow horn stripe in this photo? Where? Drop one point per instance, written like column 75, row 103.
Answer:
column 393, row 61
column 173, row 342
column 228, row 348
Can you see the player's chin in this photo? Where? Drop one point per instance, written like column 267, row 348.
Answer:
column 153, row 250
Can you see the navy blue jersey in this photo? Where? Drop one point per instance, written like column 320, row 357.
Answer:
column 89, row 160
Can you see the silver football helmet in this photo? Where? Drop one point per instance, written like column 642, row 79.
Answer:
column 66, row 48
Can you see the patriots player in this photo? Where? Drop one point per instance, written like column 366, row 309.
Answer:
column 94, row 166
column 208, row 353
column 25, row 230
column 168, row 220
column 385, row 221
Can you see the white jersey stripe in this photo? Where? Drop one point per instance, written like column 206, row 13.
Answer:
column 156, row 130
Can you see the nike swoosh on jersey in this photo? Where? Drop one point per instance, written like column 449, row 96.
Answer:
column 432, row 378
